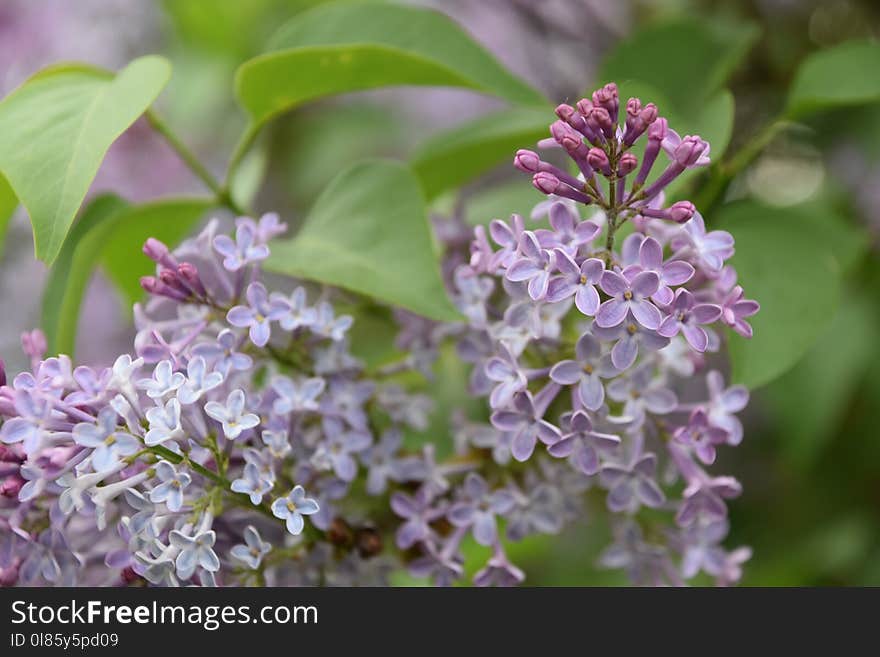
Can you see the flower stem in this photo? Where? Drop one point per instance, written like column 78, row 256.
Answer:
column 221, row 192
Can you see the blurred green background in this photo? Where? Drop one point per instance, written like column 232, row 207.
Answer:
column 810, row 462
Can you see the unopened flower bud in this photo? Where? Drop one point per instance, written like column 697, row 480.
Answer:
column 690, row 152
column 599, row 161
column 526, row 160
column 550, row 184
column 339, row 533
column 608, row 99
column 158, row 252
column 189, row 275
column 600, row 121
column 681, row 211
column 627, row 164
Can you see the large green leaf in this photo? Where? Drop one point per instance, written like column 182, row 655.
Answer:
column 844, row 75
column 55, row 130
column 168, row 220
column 72, row 270
column 810, row 400
column 791, row 261
column 368, row 232
column 8, row 203
column 451, row 158
column 687, row 60
column 109, row 233
column 341, row 47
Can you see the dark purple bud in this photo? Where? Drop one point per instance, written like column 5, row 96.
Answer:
column 11, row 486
column 584, row 106
column 9, row 455
column 608, row 99
column 530, row 162
column 550, row 184
column 159, row 253
column 2, row 373
column 600, row 121
column 569, row 138
column 157, row 288
column 638, row 119
column 189, row 275
column 571, row 116
column 170, row 278
column 656, row 135
column 599, row 161
column 627, row 164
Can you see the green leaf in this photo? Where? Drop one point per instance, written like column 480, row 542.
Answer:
column 342, row 47
column 809, row 400
column 8, row 203
column 168, row 220
column 843, row 75
column 368, row 232
column 56, row 129
column 687, row 60
column 454, row 157
column 72, row 270
column 791, row 261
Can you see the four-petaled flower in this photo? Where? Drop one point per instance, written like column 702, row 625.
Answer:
column 292, row 508
column 631, row 485
column 297, row 396
column 479, row 506
column 107, row 441
column 195, row 551
column 534, row 265
column 164, row 423
column 165, row 381
column 672, row 273
column 253, row 550
column 587, row 372
column 578, row 280
column 198, row 381
column 583, row 445
column 630, row 295
column 686, row 316
column 232, row 415
column 526, row 426
column 246, row 248
column 171, row 489
column 258, row 314
column 224, row 354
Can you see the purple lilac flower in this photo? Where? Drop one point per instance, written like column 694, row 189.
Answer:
column 632, row 485
column 586, row 372
column 258, row 314
column 419, row 512
column 293, row 508
column 526, row 425
column 582, row 444
column 534, row 266
column 478, row 507
column 244, row 250
column 170, row 491
column 232, row 415
column 253, row 550
column 578, row 280
column 629, row 337
column 629, row 296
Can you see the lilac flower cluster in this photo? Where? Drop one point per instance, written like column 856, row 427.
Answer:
column 221, row 451
column 583, row 347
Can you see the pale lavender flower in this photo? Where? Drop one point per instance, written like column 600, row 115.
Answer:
column 195, row 551
column 297, row 396
column 641, row 392
column 258, row 314
column 650, row 258
column 328, row 325
column 164, row 423
column 711, row 249
column 586, row 372
column 253, row 550
column 686, row 316
column 170, row 491
column 298, row 313
column 232, row 414
column 165, row 381
column 526, row 425
column 223, row 354
column 630, row 295
column 700, row 436
column 478, row 507
column 582, row 444
column 339, row 447
column 419, row 512
column 534, row 265
column 245, row 250
column 567, row 234
column 724, row 403
column 629, row 336
column 198, row 381
column 578, row 280
column 632, row 485
column 105, row 439
column 505, row 372
column 293, row 508
column 702, row 550
column 499, row 571
column 254, row 483
column 734, row 310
